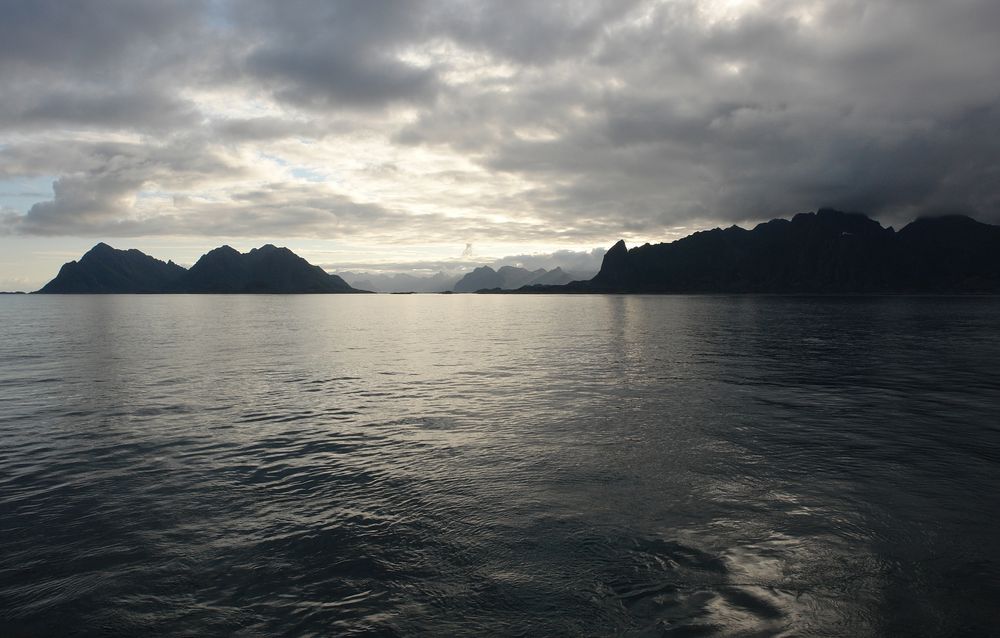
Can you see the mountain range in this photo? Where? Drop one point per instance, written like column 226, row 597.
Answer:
column 510, row 278
column 826, row 252
column 504, row 278
column 267, row 269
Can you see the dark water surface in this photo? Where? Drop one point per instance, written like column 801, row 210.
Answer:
column 499, row 465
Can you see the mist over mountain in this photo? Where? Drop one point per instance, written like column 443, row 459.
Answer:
column 401, row 282
column 504, row 278
column 510, row 278
column 824, row 252
column 267, row 269
column 555, row 277
column 415, row 276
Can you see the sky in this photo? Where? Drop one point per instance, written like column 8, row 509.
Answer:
column 385, row 135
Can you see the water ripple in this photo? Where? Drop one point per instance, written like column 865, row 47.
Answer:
column 519, row 466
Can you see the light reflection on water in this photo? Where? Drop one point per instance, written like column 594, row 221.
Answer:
column 499, row 465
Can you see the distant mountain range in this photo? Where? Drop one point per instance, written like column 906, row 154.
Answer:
column 504, row 278
column 510, row 278
column 267, row 269
column 826, row 252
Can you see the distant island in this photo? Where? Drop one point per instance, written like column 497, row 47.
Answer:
column 826, row 252
column 267, row 269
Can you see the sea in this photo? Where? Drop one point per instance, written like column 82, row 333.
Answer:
column 499, row 465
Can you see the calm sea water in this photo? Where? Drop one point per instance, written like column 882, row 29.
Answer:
column 499, row 465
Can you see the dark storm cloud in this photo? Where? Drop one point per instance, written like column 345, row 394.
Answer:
column 115, row 64
column 257, row 129
column 335, row 54
column 530, row 32
column 879, row 106
column 323, row 77
column 611, row 117
column 144, row 110
column 96, row 38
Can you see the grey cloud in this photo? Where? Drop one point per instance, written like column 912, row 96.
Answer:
column 614, row 117
column 180, row 159
column 113, row 64
column 530, row 32
column 324, row 77
column 100, row 180
column 800, row 117
column 98, row 203
column 97, row 38
column 267, row 128
column 80, row 204
column 344, row 54
column 90, row 107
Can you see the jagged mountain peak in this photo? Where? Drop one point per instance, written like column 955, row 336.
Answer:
column 222, row 270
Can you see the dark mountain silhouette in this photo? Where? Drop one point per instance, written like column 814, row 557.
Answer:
column 509, row 278
column 824, row 252
column 485, row 277
column 104, row 269
column 267, row 269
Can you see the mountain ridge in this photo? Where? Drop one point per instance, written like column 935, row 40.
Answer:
column 223, row 270
column 822, row 252
column 510, row 278
column 825, row 252
column 104, row 269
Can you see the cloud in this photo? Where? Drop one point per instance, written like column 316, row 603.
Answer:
column 582, row 262
column 98, row 40
column 115, row 64
column 269, row 128
column 577, row 121
column 97, row 107
column 100, row 182
column 319, row 55
column 677, row 118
